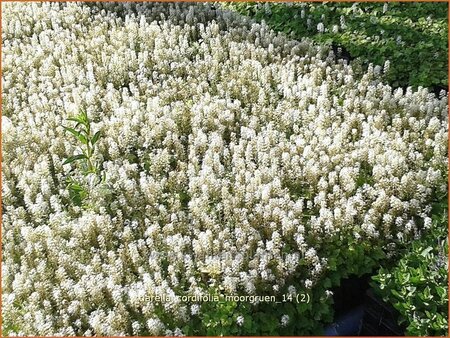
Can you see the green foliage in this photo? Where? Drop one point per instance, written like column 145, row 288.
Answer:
column 10, row 324
column 263, row 319
column 406, row 34
column 417, row 286
column 308, row 317
column 79, row 191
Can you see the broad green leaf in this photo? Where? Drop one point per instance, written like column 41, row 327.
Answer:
column 426, row 251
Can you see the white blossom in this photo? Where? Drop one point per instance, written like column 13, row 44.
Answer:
column 284, row 320
column 223, row 143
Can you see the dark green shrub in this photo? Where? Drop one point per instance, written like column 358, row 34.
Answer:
column 417, row 286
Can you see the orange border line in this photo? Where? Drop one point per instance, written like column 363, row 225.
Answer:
column 331, row 1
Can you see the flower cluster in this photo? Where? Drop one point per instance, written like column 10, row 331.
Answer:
column 234, row 156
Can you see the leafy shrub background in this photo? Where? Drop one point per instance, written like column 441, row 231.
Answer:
column 411, row 35
column 219, row 137
column 417, row 285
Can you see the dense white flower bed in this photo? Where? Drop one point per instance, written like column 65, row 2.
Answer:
column 233, row 158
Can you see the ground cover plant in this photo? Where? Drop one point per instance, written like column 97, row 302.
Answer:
column 405, row 34
column 230, row 160
column 417, row 284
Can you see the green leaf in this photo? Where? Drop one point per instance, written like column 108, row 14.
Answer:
column 441, row 292
column 397, row 294
column 96, row 137
column 76, row 187
column 83, row 116
column 77, row 120
column 75, row 158
column 77, row 134
column 426, row 251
